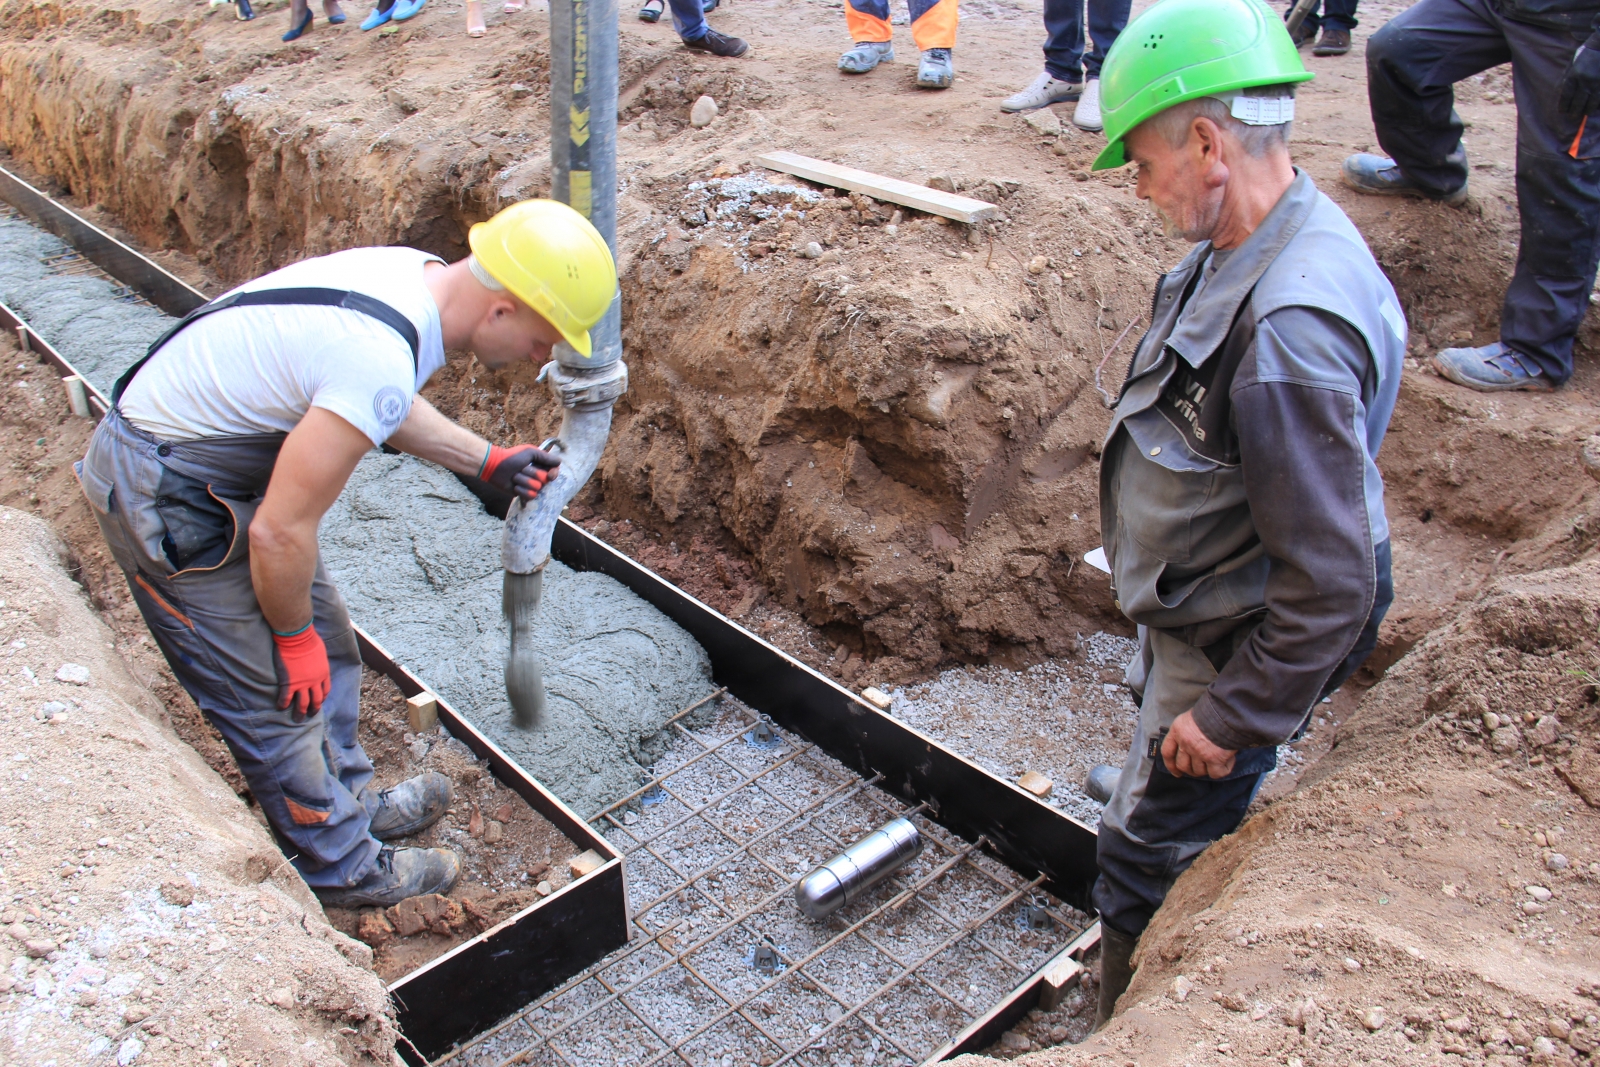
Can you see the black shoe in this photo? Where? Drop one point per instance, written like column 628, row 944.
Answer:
column 719, row 45
column 651, row 11
column 1333, row 43
column 412, row 805
column 398, row 874
column 243, row 11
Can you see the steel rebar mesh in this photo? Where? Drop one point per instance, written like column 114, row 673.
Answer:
column 714, row 845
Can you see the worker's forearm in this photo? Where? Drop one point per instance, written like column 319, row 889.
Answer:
column 428, row 435
column 283, row 561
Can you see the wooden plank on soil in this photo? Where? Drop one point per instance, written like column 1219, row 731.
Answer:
column 892, row 190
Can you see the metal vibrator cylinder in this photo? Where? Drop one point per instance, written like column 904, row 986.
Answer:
column 858, row 868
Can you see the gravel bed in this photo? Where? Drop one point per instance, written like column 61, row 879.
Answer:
column 1057, row 718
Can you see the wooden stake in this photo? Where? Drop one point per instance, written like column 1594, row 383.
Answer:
column 422, row 712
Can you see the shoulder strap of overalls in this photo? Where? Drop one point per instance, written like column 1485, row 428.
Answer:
column 328, row 297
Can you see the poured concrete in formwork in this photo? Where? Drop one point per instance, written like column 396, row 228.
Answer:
column 418, row 561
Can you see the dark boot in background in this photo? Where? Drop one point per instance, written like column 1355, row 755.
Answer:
column 1116, row 970
column 1332, row 43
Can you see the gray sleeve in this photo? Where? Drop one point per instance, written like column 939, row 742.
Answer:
column 1304, row 459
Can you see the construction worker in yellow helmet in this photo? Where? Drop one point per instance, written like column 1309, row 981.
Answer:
column 228, row 442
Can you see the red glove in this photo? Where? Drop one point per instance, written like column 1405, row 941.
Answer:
column 523, row 469
column 303, row 676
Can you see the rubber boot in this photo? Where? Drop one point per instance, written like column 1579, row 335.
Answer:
column 1116, row 970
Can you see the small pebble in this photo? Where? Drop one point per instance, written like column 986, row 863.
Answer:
column 73, row 674
column 1556, row 861
column 1373, row 1019
column 545, row 889
column 1352, row 965
column 1539, row 893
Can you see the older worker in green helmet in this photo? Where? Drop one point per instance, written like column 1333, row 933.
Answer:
column 1241, row 506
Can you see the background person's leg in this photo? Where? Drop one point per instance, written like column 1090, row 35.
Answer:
column 1063, row 39
column 933, row 24
column 1558, row 199
column 688, row 19
column 1107, row 20
column 868, row 20
column 1340, row 14
column 1412, row 64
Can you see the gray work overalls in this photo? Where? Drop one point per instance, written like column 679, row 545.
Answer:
column 176, row 515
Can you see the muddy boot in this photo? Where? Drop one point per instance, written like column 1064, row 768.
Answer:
column 398, row 874
column 412, row 805
column 937, row 69
column 865, row 55
column 1116, row 970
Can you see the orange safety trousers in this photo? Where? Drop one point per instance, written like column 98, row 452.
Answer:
column 933, row 22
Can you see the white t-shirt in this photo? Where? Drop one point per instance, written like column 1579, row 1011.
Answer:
column 259, row 369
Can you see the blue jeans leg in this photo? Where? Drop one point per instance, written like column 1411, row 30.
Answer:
column 1107, row 20
column 688, row 18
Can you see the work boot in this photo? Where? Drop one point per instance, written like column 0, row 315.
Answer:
column 1381, row 176
column 1086, row 116
column 1116, row 971
column 1304, row 34
column 1333, row 43
column 719, row 45
column 399, row 873
column 1045, row 90
column 937, row 69
column 1492, row 368
column 864, row 55
column 414, row 804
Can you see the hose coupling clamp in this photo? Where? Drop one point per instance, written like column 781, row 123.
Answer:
column 574, row 387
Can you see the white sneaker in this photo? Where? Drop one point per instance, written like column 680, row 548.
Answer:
column 1086, row 116
column 1045, row 90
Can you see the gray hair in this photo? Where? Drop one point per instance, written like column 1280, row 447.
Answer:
column 1257, row 139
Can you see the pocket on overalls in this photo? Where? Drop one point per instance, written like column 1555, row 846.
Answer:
column 204, row 530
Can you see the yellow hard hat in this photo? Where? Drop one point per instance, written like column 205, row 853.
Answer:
column 553, row 260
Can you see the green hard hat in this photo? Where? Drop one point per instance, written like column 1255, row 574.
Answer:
column 1183, row 49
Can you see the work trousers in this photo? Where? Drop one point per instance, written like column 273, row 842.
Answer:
column 176, row 517
column 1335, row 14
column 1155, row 825
column 1064, row 56
column 1412, row 63
column 933, row 22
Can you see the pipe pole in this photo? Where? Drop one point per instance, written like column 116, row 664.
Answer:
column 583, row 167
